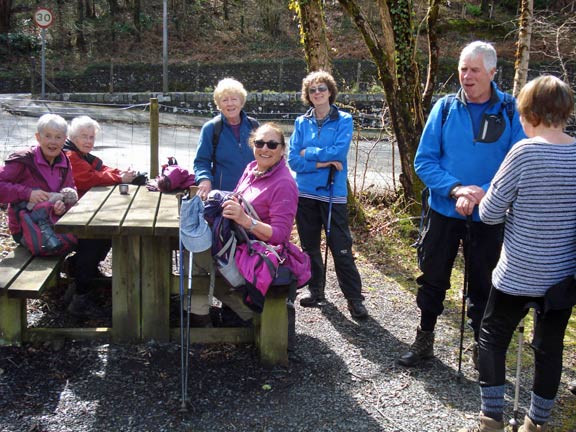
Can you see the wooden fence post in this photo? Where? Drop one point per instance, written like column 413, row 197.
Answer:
column 154, row 124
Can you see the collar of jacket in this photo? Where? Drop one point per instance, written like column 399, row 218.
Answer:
column 88, row 157
column 494, row 97
column 333, row 114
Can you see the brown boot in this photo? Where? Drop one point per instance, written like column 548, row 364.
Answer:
column 486, row 424
column 530, row 426
column 421, row 349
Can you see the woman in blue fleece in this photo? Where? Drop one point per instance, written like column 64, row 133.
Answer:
column 319, row 144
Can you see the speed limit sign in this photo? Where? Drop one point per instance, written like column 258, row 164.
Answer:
column 43, row 17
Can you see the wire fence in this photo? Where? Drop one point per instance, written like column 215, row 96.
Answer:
column 124, row 139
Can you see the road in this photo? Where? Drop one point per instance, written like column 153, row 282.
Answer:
column 125, row 136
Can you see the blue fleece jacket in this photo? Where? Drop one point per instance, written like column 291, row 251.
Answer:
column 232, row 155
column 449, row 155
column 331, row 142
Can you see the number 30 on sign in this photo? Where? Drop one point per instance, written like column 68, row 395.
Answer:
column 43, row 17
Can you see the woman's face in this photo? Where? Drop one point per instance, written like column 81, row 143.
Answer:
column 230, row 104
column 265, row 156
column 51, row 142
column 318, row 93
column 84, row 139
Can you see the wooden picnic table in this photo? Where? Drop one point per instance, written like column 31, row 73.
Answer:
column 142, row 226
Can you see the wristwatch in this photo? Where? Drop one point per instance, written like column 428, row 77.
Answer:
column 253, row 224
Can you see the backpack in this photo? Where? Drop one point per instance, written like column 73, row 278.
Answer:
column 218, row 131
column 37, row 231
column 172, row 177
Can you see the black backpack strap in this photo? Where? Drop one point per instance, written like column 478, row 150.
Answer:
column 510, row 106
column 446, row 106
column 218, row 131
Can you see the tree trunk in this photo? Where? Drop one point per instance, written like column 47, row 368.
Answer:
column 395, row 60
column 80, row 40
column 313, row 34
column 433, row 54
column 485, row 6
column 523, row 45
column 136, row 12
column 5, row 15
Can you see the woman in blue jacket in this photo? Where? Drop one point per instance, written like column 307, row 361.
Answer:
column 223, row 151
column 318, row 154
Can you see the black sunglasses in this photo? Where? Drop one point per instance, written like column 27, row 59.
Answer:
column 321, row 88
column 270, row 144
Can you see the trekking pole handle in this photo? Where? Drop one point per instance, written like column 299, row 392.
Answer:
column 331, row 175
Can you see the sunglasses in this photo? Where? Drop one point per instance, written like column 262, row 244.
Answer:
column 321, row 88
column 270, row 144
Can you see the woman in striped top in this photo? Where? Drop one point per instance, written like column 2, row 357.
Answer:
column 534, row 193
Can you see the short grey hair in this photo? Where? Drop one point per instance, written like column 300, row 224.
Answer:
column 53, row 121
column 485, row 49
column 81, row 123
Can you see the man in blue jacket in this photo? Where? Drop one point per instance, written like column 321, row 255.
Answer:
column 463, row 143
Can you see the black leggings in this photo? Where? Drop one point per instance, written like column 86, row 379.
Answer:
column 503, row 314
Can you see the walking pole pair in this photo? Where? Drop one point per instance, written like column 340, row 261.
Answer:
column 467, row 259
column 330, row 186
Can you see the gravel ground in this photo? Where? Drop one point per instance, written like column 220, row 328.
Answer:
column 342, row 378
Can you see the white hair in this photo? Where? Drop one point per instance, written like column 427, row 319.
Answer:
column 53, row 121
column 485, row 49
column 81, row 123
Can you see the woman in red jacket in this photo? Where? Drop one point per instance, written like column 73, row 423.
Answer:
column 89, row 170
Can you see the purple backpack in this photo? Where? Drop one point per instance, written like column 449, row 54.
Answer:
column 172, row 177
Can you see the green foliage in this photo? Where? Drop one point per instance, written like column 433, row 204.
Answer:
column 473, row 10
column 19, row 43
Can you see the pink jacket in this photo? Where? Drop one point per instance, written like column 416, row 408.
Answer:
column 27, row 170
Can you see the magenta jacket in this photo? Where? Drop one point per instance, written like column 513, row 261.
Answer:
column 274, row 196
column 27, row 170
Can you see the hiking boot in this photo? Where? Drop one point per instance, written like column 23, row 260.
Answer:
column 229, row 318
column 82, row 306
column 572, row 387
column 357, row 309
column 530, row 426
column 314, row 297
column 475, row 355
column 486, row 424
column 421, row 349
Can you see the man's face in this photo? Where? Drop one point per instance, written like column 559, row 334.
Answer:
column 475, row 79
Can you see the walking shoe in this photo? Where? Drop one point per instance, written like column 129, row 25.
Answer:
column 357, row 309
column 421, row 349
column 530, row 426
column 82, row 306
column 572, row 387
column 486, row 424
column 313, row 298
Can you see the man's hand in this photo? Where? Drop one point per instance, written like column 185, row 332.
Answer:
column 467, row 197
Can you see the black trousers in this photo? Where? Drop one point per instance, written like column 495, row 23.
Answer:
column 436, row 254
column 503, row 313
column 89, row 254
column 311, row 220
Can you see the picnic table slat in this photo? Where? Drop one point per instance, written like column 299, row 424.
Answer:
column 140, row 219
column 167, row 219
column 78, row 217
column 108, row 219
column 12, row 265
column 37, row 273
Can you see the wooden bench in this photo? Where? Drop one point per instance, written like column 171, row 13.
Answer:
column 22, row 277
column 269, row 331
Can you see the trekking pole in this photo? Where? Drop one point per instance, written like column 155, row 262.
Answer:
column 182, row 353
column 187, row 343
column 514, row 420
column 464, row 292
column 330, row 186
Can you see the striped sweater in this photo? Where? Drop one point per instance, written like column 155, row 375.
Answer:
column 534, row 191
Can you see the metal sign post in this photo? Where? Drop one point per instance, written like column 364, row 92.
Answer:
column 43, row 18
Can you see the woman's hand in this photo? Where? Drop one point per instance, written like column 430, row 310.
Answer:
column 127, row 176
column 59, row 208
column 231, row 209
column 336, row 164
column 38, row 196
column 204, row 189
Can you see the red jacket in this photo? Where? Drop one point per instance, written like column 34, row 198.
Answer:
column 89, row 171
